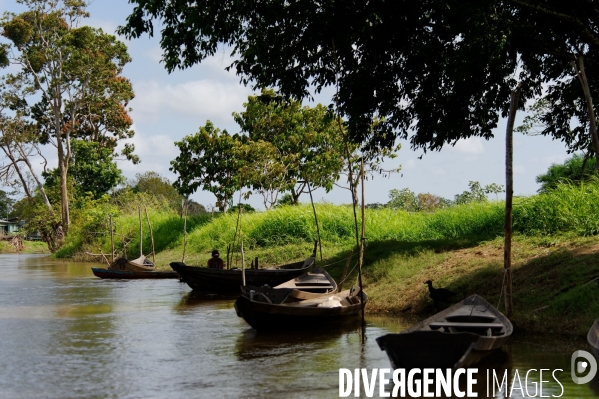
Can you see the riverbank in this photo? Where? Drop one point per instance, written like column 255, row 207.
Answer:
column 29, row 247
column 554, row 256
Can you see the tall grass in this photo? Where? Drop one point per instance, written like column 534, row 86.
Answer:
column 568, row 208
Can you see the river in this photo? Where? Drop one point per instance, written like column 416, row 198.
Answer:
column 67, row 334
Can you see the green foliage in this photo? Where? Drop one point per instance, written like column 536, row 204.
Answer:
column 475, row 194
column 304, row 144
column 575, row 169
column 72, row 76
column 403, row 199
column 93, row 171
column 286, row 199
column 207, row 160
column 6, row 205
column 152, row 183
column 408, row 201
column 244, row 208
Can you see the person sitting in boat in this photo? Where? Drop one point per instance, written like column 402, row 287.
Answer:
column 215, row 262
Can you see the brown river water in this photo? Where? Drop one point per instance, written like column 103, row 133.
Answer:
column 67, row 334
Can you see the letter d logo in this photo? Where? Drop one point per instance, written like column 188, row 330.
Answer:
column 582, row 366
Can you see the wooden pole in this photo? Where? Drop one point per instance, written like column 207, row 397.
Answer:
column 151, row 234
column 509, row 194
column 228, row 253
column 315, row 219
column 112, row 238
column 256, row 263
column 351, row 253
column 184, row 212
column 362, row 240
column 141, row 253
column 242, row 265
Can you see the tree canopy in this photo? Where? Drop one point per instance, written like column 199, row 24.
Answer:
column 72, row 73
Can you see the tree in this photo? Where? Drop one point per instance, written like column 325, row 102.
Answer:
column 403, row 199
column 69, row 67
column 574, row 169
column 153, row 183
column 207, row 160
column 303, row 145
column 476, row 194
column 93, row 170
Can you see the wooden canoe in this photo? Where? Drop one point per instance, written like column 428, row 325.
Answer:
column 456, row 337
column 298, row 304
column 593, row 338
column 127, row 274
column 222, row 280
column 141, row 264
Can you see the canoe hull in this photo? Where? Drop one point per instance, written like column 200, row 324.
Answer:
column 130, row 275
column 270, row 317
column 421, row 346
column 230, row 281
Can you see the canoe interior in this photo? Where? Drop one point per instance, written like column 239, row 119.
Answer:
column 140, row 264
column 288, row 306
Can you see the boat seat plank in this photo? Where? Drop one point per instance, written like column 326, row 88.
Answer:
column 492, row 326
column 307, row 287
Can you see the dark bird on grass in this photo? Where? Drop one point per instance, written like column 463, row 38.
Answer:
column 438, row 294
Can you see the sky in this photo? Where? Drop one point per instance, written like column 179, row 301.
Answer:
column 168, row 107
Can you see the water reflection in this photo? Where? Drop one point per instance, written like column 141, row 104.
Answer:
column 66, row 334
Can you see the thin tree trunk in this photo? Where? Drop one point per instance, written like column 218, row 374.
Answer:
column 151, row 235
column 590, row 109
column 362, row 241
column 316, row 221
column 112, row 239
column 63, row 165
column 509, row 194
column 141, row 233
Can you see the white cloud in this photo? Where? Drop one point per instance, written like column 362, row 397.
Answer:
column 200, row 99
column 155, row 152
column 472, row 145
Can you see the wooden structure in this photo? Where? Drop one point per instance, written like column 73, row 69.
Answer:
column 223, row 280
column 140, row 268
column 456, row 337
column 306, row 302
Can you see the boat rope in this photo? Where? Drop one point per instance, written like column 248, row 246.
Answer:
column 348, row 274
column 335, row 263
column 502, row 287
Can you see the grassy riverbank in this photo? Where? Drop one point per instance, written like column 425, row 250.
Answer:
column 29, row 247
column 555, row 250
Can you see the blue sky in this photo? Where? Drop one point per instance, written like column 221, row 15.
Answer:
column 168, row 107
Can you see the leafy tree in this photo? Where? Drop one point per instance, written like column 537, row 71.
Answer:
column 76, row 73
column 574, row 169
column 286, row 199
column 92, row 170
column 403, row 199
column 303, row 145
column 244, row 208
column 494, row 188
column 476, row 194
column 207, row 160
column 153, row 183
column 428, row 202
column 6, row 205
